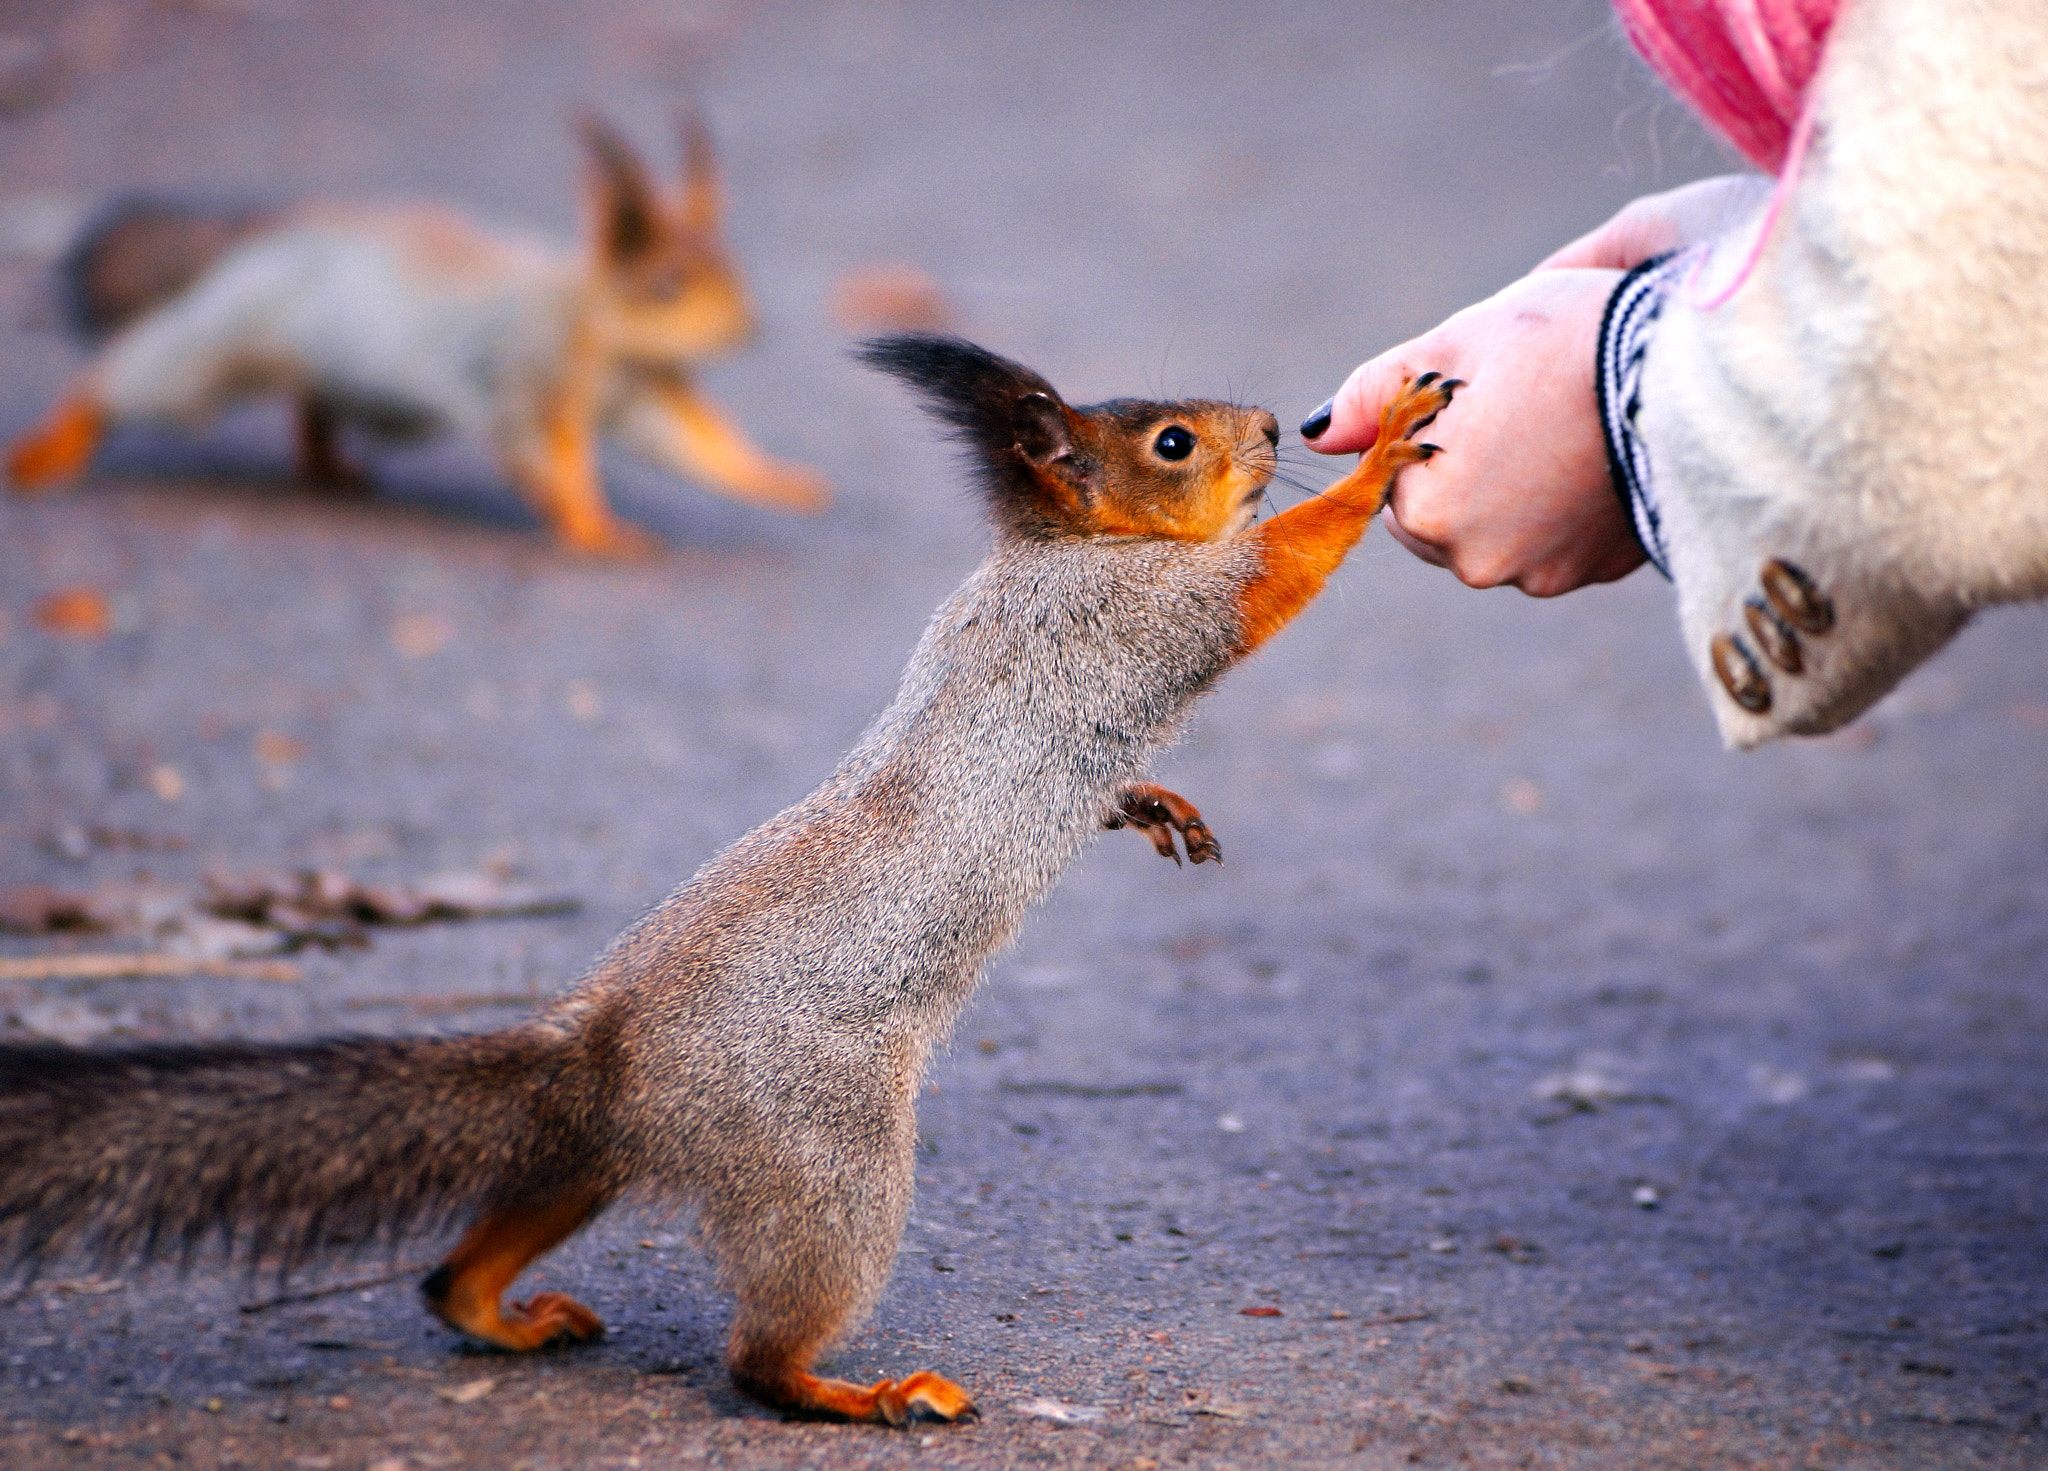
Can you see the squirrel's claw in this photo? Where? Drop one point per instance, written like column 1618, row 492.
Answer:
column 1445, row 388
column 1202, row 844
column 1159, row 814
column 1162, row 842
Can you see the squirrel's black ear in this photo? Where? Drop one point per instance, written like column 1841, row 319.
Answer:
column 1021, row 433
column 1042, row 436
column 622, row 199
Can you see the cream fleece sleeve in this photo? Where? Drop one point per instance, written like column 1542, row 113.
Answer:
column 1832, row 421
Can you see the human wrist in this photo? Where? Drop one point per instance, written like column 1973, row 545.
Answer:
column 1626, row 330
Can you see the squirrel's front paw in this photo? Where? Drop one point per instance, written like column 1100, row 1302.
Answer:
column 613, row 540
column 795, row 488
column 1159, row 814
column 1415, row 408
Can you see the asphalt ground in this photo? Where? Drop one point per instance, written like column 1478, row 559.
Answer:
column 1503, row 941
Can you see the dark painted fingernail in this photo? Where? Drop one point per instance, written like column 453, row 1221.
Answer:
column 1313, row 426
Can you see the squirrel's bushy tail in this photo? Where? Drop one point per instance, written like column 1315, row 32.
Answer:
column 142, row 250
column 276, row 1152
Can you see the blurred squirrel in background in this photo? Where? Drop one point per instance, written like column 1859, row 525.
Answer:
column 403, row 321
column 754, row 1046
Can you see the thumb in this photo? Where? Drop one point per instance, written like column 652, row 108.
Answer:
column 1622, row 244
column 1660, row 222
column 1350, row 421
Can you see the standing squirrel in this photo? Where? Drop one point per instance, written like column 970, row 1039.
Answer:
column 402, row 321
column 754, row 1046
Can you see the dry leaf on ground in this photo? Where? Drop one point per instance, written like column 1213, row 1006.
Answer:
column 467, row 1394
column 1059, row 1412
column 238, row 917
column 75, row 612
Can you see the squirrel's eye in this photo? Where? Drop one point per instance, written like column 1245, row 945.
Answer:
column 1174, row 443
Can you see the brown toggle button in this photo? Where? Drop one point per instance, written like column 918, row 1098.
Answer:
column 1773, row 635
column 1740, row 674
column 1794, row 595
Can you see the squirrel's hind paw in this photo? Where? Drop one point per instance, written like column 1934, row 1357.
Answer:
column 556, row 1317
column 918, row 1399
column 1159, row 814
column 924, row 1399
column 542, row 1321
column 56, row 451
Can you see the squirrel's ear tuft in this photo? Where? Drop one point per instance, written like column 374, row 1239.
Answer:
column 703, row 193
column 1023, row 436
column 967, row 386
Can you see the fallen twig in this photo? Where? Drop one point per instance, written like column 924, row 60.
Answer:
column 332, row 1289
column 442, row 1005
column 138, row 965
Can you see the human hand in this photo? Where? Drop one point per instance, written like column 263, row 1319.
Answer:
column 1521, row 494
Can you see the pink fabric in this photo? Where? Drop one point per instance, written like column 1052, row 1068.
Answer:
column 1744, row 65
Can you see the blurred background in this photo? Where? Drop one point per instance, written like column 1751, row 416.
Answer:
column 1578, row 1093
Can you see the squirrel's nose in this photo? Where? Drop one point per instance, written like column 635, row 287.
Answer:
column 1270, row 427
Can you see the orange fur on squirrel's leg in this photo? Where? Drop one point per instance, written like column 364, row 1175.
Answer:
column 57, row 450
column 465, row 1290
column 560, row 474
column 1305, row 544
column 321, row 461
column 704, row 443
column 1159, row 814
